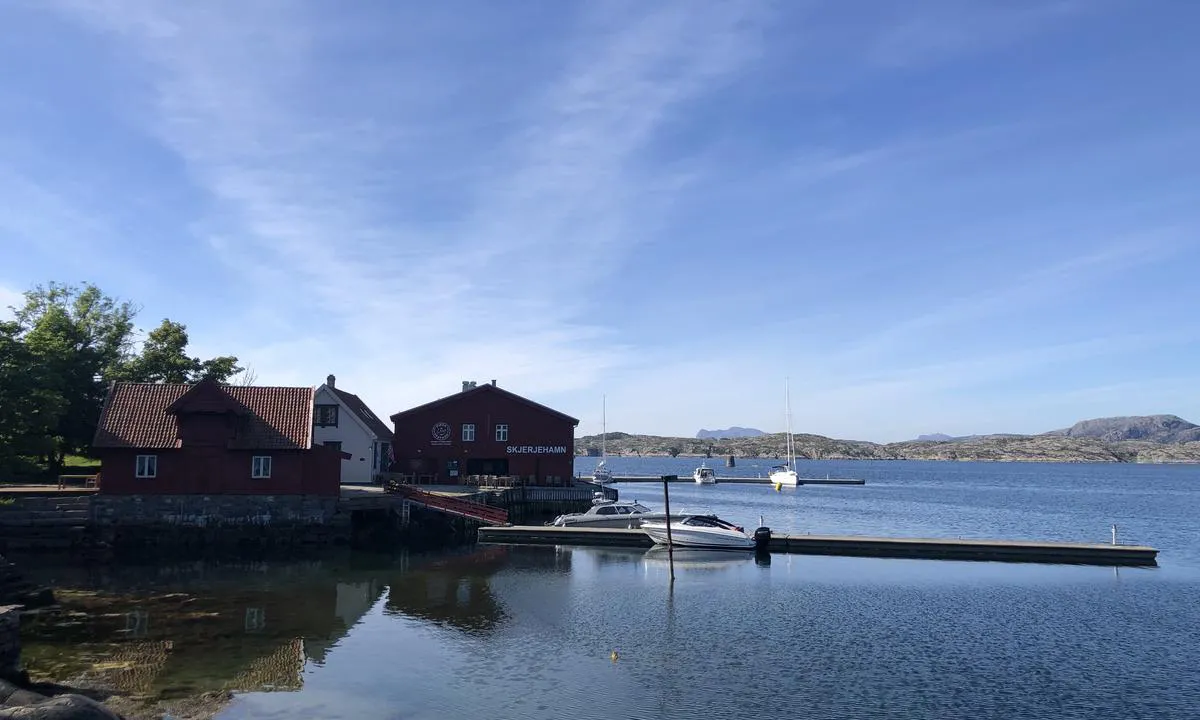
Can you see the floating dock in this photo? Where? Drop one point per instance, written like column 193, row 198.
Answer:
column 749, row 480
column 851, row 545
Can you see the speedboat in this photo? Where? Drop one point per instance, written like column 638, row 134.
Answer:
column 704, row 475
column 612, row 514
column 707, row 531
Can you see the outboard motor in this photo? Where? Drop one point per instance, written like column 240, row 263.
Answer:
column 762, row 538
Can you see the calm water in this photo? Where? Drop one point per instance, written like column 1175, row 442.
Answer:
column 510, row 632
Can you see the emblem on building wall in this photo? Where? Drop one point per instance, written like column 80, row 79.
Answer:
column 441, row 431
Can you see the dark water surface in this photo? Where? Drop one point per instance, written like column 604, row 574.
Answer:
column 513, row 632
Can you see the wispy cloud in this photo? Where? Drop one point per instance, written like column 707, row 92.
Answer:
column 303, row 194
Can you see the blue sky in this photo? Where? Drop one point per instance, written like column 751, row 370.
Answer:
column 942, row 216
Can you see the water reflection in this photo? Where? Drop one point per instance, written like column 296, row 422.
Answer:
column 156, row 632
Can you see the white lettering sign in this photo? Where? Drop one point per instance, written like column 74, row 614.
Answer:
column 537, row 449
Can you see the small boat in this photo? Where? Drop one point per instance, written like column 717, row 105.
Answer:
column 602, row 475
column 708, row 531
column 704, row 475
column 786, row 474
column 612, row 514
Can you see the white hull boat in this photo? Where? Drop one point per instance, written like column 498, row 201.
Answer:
column 612, row 514
column 786, row 474
column 704, row 475
column 700, row 531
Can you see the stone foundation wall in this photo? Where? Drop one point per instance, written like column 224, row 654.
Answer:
column 10, row 640
column 213, row 510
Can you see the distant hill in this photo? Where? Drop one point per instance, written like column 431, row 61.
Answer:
column 1135, row 439
column 935, row 437
column 727, row 433
column 1148, row 428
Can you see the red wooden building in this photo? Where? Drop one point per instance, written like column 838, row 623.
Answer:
column 206, row 438
column 484, row 430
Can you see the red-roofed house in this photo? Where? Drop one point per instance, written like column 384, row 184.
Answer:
column 178, row 439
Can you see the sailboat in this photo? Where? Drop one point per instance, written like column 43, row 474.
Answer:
column 786, row 474
column 602, row 475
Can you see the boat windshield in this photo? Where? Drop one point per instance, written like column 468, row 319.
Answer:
column 708, row 521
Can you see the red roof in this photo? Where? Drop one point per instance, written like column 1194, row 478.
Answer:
column 145, row 415
column 487, row 388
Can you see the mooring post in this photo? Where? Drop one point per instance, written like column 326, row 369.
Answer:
column 1114, row 534
column 667, row 505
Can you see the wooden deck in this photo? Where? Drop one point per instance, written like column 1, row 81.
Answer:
column 851, row 545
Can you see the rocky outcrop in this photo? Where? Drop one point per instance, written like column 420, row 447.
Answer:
column 20, row 704
column 1148, row 428
column 728, row 433
column 998, row 448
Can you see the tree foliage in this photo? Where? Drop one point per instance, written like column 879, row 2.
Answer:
column 164, row 359
column 57, row 358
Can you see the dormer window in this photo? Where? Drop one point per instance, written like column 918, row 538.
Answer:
column 325, row 415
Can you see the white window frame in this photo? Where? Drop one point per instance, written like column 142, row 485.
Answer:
column 260, row 467
column 468, row 432
column 502, row 432
column 146, row 466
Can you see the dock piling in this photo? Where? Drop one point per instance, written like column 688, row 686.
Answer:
column 667, row 504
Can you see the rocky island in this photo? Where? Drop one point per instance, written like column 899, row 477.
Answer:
column 1141, row 439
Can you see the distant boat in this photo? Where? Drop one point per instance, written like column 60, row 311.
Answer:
column 704, row 475
column 786, row 474
column 602, row 475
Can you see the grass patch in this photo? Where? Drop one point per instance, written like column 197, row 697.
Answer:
column 7, row 501
column 74, row 461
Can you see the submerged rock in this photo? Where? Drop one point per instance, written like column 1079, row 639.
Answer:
column 17, row 703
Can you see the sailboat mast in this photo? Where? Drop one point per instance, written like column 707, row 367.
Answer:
column 787, row 408
column 603, row 427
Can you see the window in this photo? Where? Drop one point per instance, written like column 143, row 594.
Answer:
column 468, row 432
column 325, row 415
column 606, row 510
column 335, row 444
column 260, row 466
column 502, row 433
column 147, row 466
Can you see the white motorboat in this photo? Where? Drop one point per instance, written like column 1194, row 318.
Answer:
column 707, row 531
column 786, row 474
column 612, row 514
column 602, row 475
column 704, row 475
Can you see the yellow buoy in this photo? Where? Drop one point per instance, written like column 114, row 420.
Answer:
column 778, row 487
column 614, row 656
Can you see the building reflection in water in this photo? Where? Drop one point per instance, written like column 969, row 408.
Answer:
column 166, row 632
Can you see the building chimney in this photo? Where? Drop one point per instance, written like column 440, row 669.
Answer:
column 330, row 380
column 468, row 385
column 493, row 382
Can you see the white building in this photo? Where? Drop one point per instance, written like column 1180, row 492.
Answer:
column 343, row 420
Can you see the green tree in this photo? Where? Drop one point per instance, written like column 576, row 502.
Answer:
column 164, row 359
column 29, row 411
column 78, row 338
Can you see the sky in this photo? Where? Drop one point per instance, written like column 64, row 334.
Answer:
column 941, row 216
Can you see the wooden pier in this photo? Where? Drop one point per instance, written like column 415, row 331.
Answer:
column 858, row 546
column 744, row 480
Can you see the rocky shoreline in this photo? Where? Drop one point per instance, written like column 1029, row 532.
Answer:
column 989, row 448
